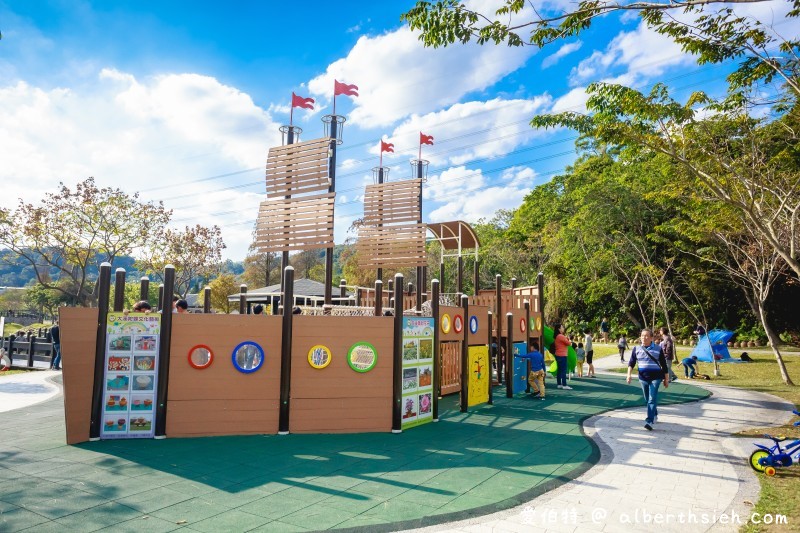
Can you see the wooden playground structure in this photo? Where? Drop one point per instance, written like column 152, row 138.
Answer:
column 339, row 369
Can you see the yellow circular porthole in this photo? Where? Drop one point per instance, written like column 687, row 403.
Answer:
column 319, row 356
column 446, row 323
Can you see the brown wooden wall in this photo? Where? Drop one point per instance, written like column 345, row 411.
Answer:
column 220, row 400
column 337, row 399
column 78, row 328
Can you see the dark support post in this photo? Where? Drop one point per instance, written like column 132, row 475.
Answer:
column 460, row 276
column 391, row 286
column 424, row 283
column 161, row 297
column 437, row 354
column 443, row 285
column 397, row 367
column 207, row 300
column 380, row 270
column 103, row 290
column 163, row 355
column 476, row 277
column 498, row 313
column 144, row 288
column 358, row 296
column 31, row 349
column 540, row 286
column 119, row 290
column 465, row 356
column 342, row 291
column 286, row 351
column 331, row 189
column 528, row 340
column 509, row 354
column 243, row 299
column 290, row 131
column 378, row 297
column 513, row 283
column 410, row 289
column 489, row 340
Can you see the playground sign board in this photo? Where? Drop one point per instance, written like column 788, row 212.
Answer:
column 520, row 381
column 417, row 383
column 130, row 375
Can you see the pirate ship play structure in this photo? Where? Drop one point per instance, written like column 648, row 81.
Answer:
column 335, row 368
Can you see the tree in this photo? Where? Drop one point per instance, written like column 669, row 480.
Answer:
column 69, row 231
column 714, row 36
column 222, row 287
column 194, row 252
column 42, row 300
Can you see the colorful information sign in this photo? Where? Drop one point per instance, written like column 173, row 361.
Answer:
column 130, row 380
column 520, row 381
column 417, row 403
column 480, row 372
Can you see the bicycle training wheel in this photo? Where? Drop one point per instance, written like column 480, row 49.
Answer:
column 769, row 471
column 755, row 457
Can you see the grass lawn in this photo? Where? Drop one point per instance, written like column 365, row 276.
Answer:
column 779, row 494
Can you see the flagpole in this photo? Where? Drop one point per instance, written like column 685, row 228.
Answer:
column 334, row 97
column 420, row 145
column 380, row 164
column 291, row 111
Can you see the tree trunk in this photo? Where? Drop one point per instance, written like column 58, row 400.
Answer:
column 773, row 342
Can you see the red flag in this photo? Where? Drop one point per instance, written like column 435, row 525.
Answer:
column 299, row 101
column 343, row 88
column 425, row 139
column 387, row 147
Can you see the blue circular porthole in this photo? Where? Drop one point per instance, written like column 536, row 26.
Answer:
column 473, row 324
column 247, row 357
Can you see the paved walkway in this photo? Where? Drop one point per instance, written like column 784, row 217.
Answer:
column 689, row 474
column 518, row 455
column 21, row 390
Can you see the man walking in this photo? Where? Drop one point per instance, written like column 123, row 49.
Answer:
column 668, row 348
column 652, row 372
column 55, row 336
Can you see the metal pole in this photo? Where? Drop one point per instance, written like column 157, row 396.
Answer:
column 424, row 283
column 342, row 291
column 285, row 254
column 460, row 276
column 144, row 288
column 527, row 305
column 465, row 356
column 540, row 305
column 161, row 297
column 243, row 299
column 207, row 300
column 397, row 367
column 331, row 189
column 380, row 181
column 286, row 351
column 103, row 293
column 437, row 355
column 509, row 354
column 119, row 290
column 163, row 356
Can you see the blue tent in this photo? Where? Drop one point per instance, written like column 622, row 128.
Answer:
column 715, row 342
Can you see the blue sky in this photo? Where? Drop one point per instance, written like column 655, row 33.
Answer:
column 181, row 101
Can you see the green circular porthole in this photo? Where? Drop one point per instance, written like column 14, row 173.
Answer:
column 362, row 357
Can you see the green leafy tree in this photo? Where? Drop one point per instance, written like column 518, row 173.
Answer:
column 195, row 253
column 222, row 287
column 71, row 230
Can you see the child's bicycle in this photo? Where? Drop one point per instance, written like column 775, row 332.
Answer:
column 767, row 460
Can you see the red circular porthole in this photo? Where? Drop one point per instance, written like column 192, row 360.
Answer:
column 201, row 357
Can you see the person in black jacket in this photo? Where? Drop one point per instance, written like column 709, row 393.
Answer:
column 55, row 335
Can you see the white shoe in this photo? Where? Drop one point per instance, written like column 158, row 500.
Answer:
column 566, row 387
column 560, row 386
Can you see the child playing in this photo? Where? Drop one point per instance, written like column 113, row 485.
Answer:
column 581, row 358
column 622, row 344
column 690, row 366
column 536, row 376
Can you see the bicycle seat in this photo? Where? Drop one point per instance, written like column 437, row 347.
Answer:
column 779, row 438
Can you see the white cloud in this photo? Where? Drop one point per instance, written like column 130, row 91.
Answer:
column 468, row 195
column 565, row 50
column 137, row 135
column 574, row 100
column 481, row 130
column 642, row 53
column 397, row 76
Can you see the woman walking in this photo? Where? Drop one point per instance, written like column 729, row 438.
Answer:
column 652, row 372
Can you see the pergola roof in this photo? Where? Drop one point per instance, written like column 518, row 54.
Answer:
column 455, row 235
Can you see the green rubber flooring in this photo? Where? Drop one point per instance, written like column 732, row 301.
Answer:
column 492, row 458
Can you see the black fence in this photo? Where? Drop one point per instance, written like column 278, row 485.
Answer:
column 25, row 349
